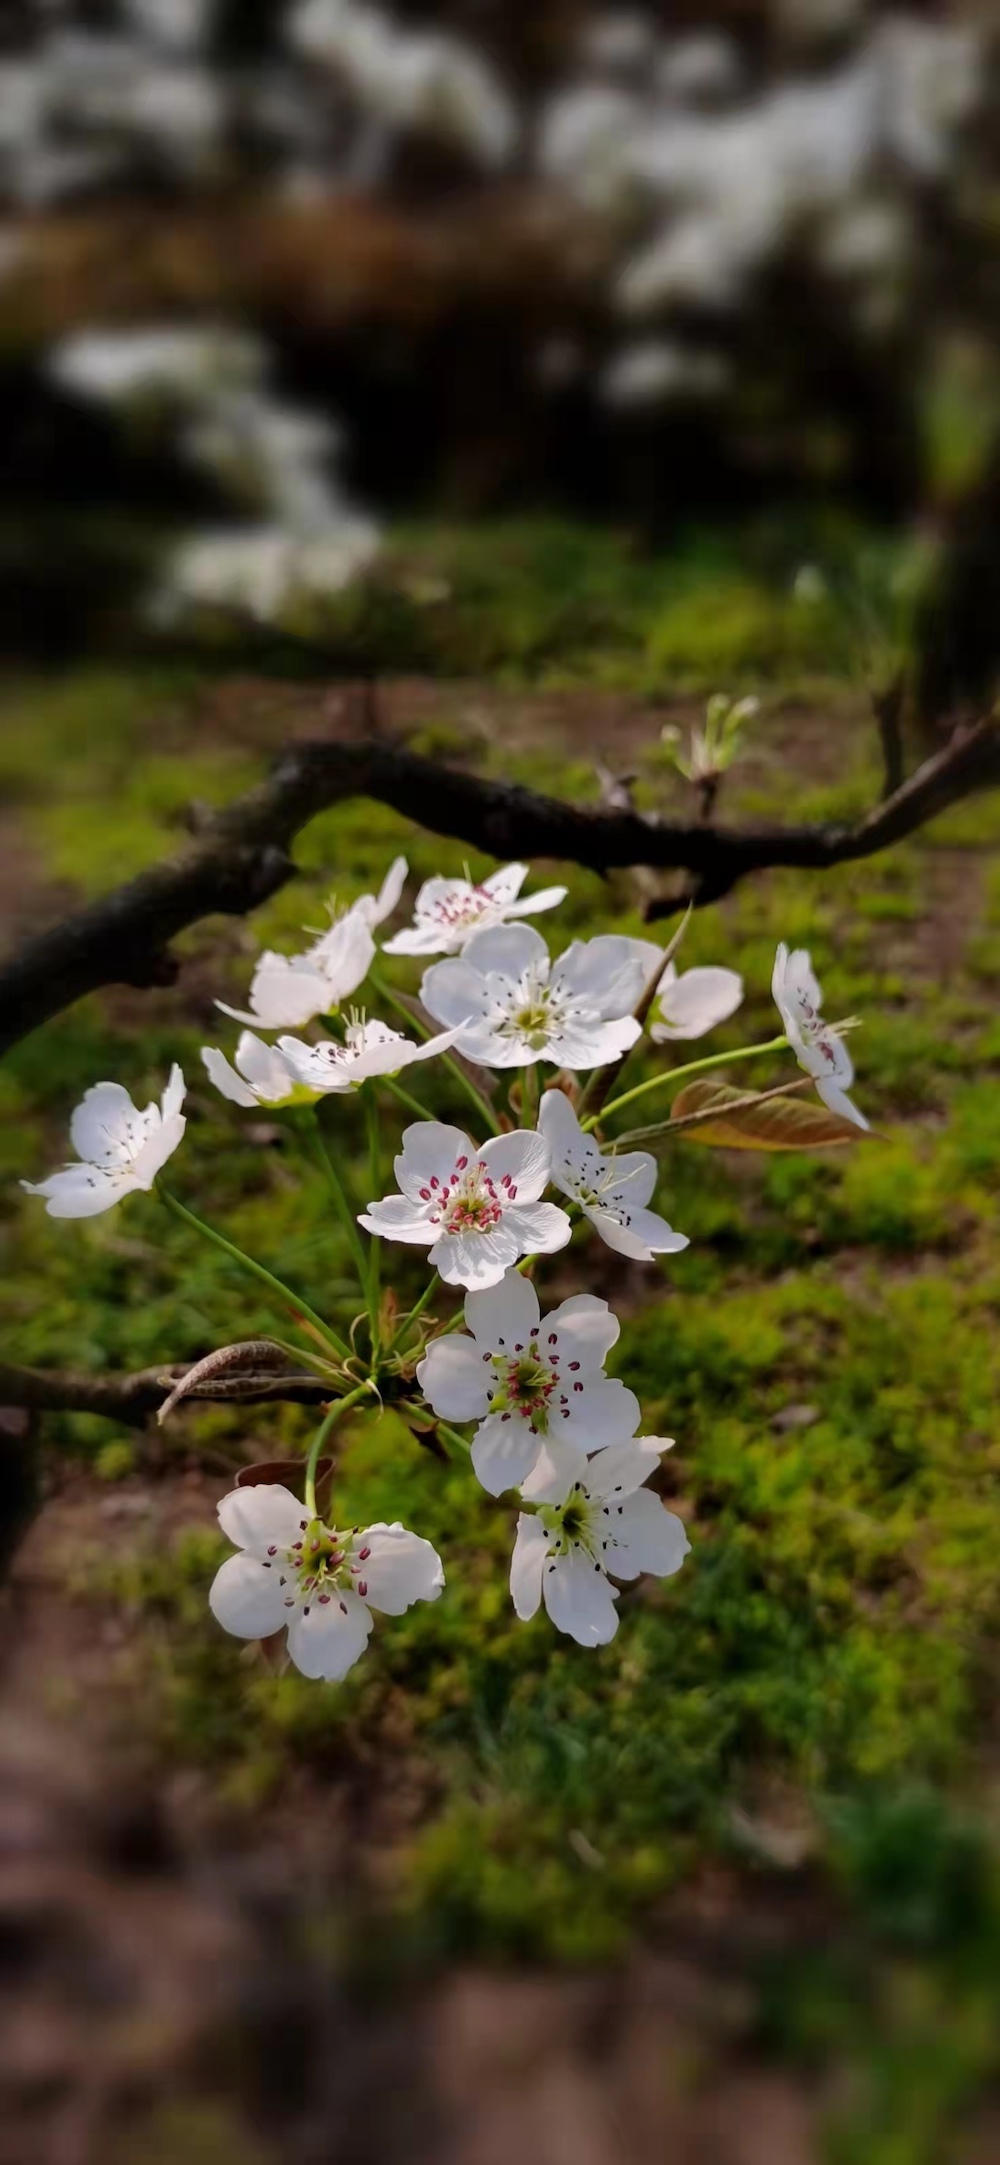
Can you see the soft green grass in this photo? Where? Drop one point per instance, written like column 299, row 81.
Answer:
column 834, row 1629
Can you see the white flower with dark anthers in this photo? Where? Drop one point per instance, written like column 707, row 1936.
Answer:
column 448, row 912
column 295, row 1570
column 120, row 1149
column 261, row 1075
column 476, row 1209
column 516, row 1005
column 598, row 1522
column 696, row 1001
column 818, row 1046
column 612, row 1192
column 369, row 1048
column 530, row 1381
column 288, row 990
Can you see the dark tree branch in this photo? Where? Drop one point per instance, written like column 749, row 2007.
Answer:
column 133, row 1399
column 243, row 854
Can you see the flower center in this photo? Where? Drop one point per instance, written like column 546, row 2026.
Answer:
column 454, row 911
column 320, row 1567
column 473, row 1205
column 525, row 1385
column 573, row 1524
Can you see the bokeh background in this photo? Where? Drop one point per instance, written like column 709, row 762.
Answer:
column 556, row 367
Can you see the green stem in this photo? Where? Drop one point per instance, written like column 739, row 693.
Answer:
column 425, row 1298
column 412, row 1105
column 329, row 1420
column 312, row 1129
column 371, row 1124
column 284, row 1293
column 484, row 1109
column 451, row 1435
column 680, row 1074
column 529, row 1097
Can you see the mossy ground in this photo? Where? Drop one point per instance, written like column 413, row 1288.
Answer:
column 832, row 1638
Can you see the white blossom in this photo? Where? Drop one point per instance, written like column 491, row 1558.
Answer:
column 516, row 1005
column 448, row 912
column 477, row 1210
column 262, row 569
column 532, row 1382
column 323, row 1584
column 818, row 1046
column 612, row 1192
column 288, row 990
column 369, row 1048
column 261, row 1075
column 120, row 1149
column 599, row 1522
column 689, row 1005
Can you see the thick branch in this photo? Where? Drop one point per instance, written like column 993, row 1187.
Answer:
column 242, row 856
column 133, row 1399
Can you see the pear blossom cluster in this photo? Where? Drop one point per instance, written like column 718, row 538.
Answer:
column 515, row 1380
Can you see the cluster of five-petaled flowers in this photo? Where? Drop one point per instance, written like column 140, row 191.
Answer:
column 549, row 1422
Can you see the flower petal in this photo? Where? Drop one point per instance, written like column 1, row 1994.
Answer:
column 82, row 1191
column 603, row 1411
column 283, row 994
column 245, row 1597
column 526, row 1565
column 649, row 1538
column 695, row 1002
column 503, row 1453
column 506, row 949
column 431, row 1150
column 262, row 1515
column 222, row 1073
column 505, row 885
column 579, row 1599
column 838, row 1102
column 453, row 1376
column 476, row 1259
column 396, row 1218
column 646, row 1236
column 623, row 1467
column 538, row 1229
column 545, row 898
column 586, row 1329
column 505, row 1315
column 330, row 1637
column 558, row 1466
column 454, row 993
column 522, row 1158
column 106, row 1128
column 400, row 1569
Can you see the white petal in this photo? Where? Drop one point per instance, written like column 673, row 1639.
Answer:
column 158, row 1147
column 505, row 1315
column 477, row 1259
column 453, row 1376
column 330, row 1639
column 526, row 1565
column 282, row 996
column 608, row 973
column 546, row 898
column 586, row 1330
column 324, row 1067
column 579, row 1599
column 390, row 890
column 260, row 1516
column 453, row 993
column 503, row 1453
column 507, row 949
column 504, row 886
column 417, row 940
column 246, row 1598
column 401, row 1568
column 523, row 1158
column 650, row 1538
column 646, row 1236
column 106, row 1127
column 224, row 1076
column 623, row 1467
column 559, row 1465
column 173, row 1095
column 264, row 1068
column 82, row 1191
column 696, row 1002
column 593, row 1044
column 396, row 1218
column 838, row 1102
column 431, row 1150
column 602, row 1412
column 344, row 956
column 538, row 1229
column 635, row 1176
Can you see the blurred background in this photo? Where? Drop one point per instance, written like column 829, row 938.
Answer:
column 559, row 366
